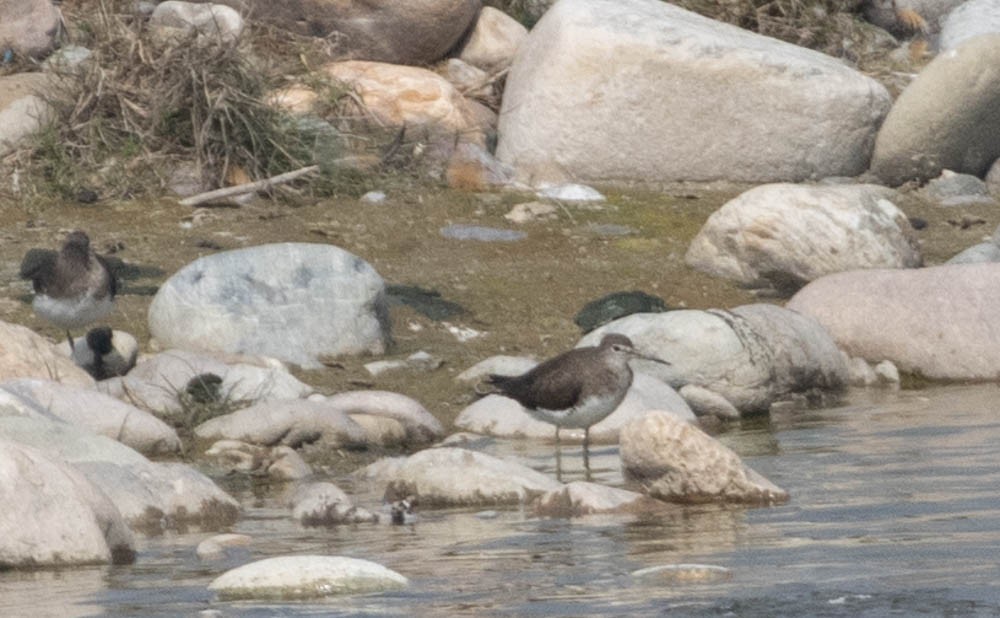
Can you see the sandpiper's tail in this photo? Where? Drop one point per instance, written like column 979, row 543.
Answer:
column 494, row 384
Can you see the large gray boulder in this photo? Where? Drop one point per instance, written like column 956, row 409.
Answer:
column 940, row 322
column 641, row 90
column 752, row 355
column 947, row 118
column 417, row 32
column 292, row 301
column 784, row 235
column 53, row 516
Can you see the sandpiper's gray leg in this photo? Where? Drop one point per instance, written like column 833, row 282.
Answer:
column 558, row 457
column 70, row 338
column 586, row 453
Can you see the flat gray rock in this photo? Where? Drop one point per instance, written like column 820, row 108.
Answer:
column 295, row 302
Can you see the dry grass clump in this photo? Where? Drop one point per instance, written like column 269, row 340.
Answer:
column 141, row 104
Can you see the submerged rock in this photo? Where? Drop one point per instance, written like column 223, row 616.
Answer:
column 305, row 577
column 752, row 355
column 325, row 504
column 678, row 462
column 430, row 477
column 580, row 498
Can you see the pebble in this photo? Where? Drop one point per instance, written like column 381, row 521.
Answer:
column 461, row 231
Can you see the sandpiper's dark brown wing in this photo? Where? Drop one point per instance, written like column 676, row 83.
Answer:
column 36, row 266
column 555, row 384
column 112, row 271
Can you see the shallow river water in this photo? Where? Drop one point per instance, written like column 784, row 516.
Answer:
column 895, row 510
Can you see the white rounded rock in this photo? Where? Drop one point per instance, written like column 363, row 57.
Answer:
column 305, row 577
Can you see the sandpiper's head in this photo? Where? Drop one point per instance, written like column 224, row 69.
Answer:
column 99, row 340
column 77, row 241
column 619, row 344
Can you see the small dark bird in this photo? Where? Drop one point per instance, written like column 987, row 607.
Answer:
column 73, row 287
column 578, row 388
column 98, row 354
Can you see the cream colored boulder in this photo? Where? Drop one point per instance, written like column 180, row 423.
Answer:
column 494, row 41
column 947, row 118
column 401, row 95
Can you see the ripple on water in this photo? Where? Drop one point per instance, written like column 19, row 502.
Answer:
column 894, row 510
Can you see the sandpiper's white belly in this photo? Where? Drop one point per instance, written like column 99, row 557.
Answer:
column 72, row 312
column 590, row 411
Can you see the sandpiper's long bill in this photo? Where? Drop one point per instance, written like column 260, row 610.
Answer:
column 578, row 388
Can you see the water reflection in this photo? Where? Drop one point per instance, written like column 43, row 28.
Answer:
column 894, row 509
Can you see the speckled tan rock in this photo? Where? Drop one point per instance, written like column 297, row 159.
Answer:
column 677, row 462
